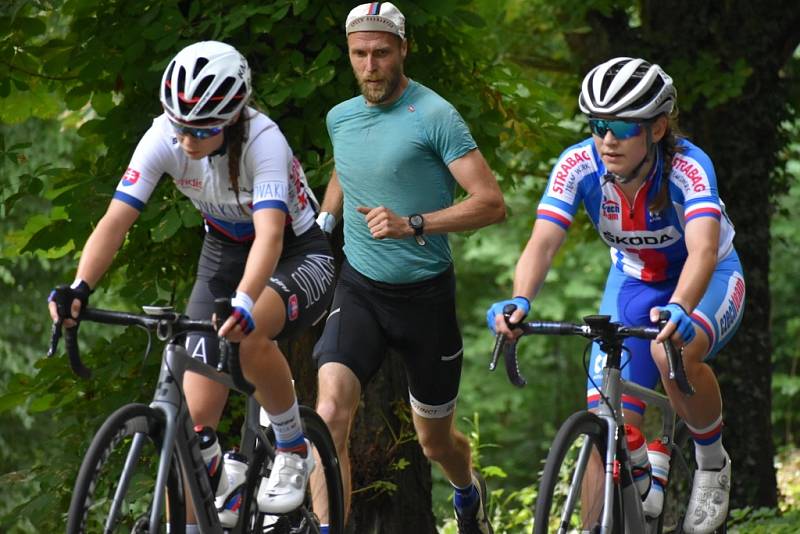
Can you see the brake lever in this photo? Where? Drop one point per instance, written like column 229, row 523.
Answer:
column 509, row 350
column 63, row 305
column 499, row 343
column 230, row 358
column 677, row 371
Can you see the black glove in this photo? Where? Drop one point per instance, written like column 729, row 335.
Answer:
column 63, row 296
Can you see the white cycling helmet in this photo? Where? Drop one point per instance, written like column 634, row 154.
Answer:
column 206, row 84
column 627, row 88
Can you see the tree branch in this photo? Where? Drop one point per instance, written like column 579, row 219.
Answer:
column 36, row 74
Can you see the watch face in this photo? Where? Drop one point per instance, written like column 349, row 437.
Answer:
column 415, row 221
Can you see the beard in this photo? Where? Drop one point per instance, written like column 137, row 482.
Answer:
column 379, row 93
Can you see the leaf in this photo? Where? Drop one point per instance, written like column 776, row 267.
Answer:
column 471, row 18
column 326, row 55
column 167, row 226
column 42, row 403
column 76, row 97
column 12, row 400
column 102, row 103
column 302, row 88
column 298, row 6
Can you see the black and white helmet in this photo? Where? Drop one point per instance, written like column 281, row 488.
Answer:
column 206, row 84
column 627, row 88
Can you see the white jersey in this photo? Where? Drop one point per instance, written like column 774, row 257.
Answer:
column 269, row 177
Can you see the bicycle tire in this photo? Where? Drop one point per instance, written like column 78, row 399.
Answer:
column 103, row 462
column 560, row 472
column 316, row 432
column 679, row 483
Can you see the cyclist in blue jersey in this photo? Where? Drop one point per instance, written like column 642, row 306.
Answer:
column 653, row 198
column 399, row 150
column 261, row 247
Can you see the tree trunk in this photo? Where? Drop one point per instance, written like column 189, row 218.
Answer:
column 742, row 136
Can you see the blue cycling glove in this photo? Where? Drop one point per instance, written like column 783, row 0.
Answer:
column 497, row 308
column 242, row 306
column 678, row 315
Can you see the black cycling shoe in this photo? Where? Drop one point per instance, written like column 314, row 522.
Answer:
column 474, row 520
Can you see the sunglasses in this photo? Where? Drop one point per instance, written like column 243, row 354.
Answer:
column 620, row 129
column 197, row 133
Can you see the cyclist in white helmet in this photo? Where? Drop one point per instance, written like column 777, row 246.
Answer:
column 652, row 196
column 261, row 247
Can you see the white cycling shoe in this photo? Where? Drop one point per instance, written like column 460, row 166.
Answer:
column 708, row 506
column 285, row 489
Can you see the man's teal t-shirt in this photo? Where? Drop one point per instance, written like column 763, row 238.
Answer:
column 396, row 156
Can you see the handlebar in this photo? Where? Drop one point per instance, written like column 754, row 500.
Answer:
column 598, row 328
column 166, row 323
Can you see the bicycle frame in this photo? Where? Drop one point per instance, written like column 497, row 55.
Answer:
column 613, row 387
column 617, row 472
column 180, row 436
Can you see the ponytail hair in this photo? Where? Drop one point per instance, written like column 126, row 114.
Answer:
column 669, row 147
column 235, row 136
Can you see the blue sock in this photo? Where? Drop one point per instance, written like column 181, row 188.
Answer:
column 465, row 497
column 323, row 529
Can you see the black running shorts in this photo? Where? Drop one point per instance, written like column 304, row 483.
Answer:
column 417, row 320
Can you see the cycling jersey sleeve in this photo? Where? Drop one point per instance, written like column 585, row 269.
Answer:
column 695, row 180
column 151, row 159
column 268, row 160
column 564, row 193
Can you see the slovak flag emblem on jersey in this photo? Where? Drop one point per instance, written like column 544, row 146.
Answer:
column 294, row 308
column 130, row 177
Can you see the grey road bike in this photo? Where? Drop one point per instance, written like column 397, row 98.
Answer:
column 145, row 458
column 616, row 502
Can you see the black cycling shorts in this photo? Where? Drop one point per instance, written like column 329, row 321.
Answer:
column 303, row 278
column 417, row 320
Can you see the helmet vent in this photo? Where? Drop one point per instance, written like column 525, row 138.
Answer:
column 201, row 88
column 198, row 66
column 184, row 106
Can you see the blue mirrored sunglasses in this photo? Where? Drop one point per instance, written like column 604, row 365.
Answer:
column 619, row 128
column 197, row 133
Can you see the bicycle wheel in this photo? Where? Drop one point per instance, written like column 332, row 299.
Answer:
column 570, row 493
column 114, row 488
column 679, row 483
column 304, row 519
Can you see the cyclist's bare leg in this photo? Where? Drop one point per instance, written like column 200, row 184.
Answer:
column 705, row 406
column 338, row 395
column 263, row 364
column 442, row 443
column 592, row 491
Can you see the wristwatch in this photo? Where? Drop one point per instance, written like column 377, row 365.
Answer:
column 417, row 223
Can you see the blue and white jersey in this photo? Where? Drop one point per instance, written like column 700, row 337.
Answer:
column 269, row 177
column 647, row 246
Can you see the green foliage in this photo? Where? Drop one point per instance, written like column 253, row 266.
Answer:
column 89, row 71
column 784, row 286
column 725, row 85
column 95, row 67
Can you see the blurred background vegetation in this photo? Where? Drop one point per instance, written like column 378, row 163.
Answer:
column 78, row 86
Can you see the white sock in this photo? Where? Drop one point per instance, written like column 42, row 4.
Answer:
column 288, row 428
column 708, row 449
